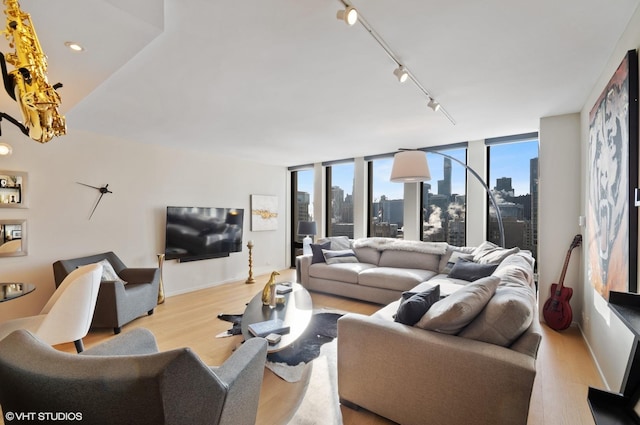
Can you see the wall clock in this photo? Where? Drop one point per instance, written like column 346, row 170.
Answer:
column 103, row 190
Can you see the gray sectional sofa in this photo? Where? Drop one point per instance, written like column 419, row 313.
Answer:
column 469, row 359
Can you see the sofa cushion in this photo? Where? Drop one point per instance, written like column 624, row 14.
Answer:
column 316, row 249
column 339, row 256
column 451, row 314
column 505, row 317
column 451, row 256
column 393, row 278
column 367, row 255
column 447, row 286
column 489, row 252
column 470, row 271
column 415, row 305
column 345, row 272
column 337, row 242
column 409, row 260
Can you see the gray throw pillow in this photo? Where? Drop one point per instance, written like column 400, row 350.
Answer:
column 340, row 256
column 468, row 270
column 415, row 305
column 451, row 314
column 316, row 249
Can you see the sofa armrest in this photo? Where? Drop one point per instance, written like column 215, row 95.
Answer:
column 302, row 269
column 136, row 341
column 140, row 275
column 411, row 375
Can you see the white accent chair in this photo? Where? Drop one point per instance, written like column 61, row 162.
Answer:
column 67, row 315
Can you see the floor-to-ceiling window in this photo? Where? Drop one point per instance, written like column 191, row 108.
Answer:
column 301, row 206
column 513, row 180
column 444, row 198
column 386, row 200
column 339, row 188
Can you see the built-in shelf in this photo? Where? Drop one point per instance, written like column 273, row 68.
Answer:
column 621, row 408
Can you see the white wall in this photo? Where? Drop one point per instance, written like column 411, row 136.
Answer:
column 609, row 340
column 144, row 180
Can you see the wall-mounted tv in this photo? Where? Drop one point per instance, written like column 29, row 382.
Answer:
column 198, row 233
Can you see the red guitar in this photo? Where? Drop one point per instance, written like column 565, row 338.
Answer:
column 557, row 310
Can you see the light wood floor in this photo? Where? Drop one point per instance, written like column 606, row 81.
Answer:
column 565, row 368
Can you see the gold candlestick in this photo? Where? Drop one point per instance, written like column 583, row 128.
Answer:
column 161, row 286
column 250, row 279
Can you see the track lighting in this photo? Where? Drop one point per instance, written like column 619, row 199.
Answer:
column 401, row 74
column 349, row 15
column 5, row 149
column 433, row 104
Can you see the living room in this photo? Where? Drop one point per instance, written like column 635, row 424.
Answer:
column 145, row 178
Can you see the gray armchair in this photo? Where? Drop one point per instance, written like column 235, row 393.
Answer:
column 118, row 303
column 126, row 381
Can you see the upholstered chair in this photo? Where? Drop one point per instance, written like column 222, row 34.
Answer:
column 133, row 292
column 127, row 381
column 67, row 315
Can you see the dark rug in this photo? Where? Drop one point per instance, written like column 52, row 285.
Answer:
column 322, row 329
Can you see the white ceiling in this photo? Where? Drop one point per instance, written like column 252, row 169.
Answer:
column 284, row 82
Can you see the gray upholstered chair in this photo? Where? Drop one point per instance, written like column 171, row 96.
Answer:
column 126, row 381
column 118, row 303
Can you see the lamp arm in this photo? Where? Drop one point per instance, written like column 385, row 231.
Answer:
column 492, row 198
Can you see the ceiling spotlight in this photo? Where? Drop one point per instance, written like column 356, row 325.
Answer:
column 74, row 46
column 433, row 104
column 349, row 15
column 5, row 149
column 401, row 74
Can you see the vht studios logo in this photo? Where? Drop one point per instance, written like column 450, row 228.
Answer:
column 43, row 416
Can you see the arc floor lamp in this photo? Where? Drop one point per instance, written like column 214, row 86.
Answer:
column 411, row 166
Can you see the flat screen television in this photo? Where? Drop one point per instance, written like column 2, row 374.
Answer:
column 199, row 233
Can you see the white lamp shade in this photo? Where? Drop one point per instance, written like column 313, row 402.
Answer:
column 410, row 167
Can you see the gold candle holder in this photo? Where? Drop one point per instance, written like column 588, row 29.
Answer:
column 161, row 285
column 250, row 279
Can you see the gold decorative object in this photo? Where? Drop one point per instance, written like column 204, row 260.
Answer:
column 269, row 291
column 28, row 84
column 161, row 286
column 250, row 279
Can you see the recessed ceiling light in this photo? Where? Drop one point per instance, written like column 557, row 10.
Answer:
column 74, row 46
column 5, row 149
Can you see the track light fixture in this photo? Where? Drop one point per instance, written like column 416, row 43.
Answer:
column 433, row 104
column 349, row 15
column 401, row 74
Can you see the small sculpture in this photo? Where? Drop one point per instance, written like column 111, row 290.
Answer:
column 269, row 291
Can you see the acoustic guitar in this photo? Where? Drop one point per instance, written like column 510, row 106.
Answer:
column 557, row 310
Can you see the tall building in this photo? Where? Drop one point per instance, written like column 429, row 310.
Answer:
column 533, row 187
column 503, row 184
column 444, row 185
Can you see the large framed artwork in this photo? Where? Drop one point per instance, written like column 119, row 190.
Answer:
column 612, row 219
column 264, row 212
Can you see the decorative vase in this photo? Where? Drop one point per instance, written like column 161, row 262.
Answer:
column 161, row 285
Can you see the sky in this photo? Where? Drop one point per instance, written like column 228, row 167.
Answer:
column 507, row 160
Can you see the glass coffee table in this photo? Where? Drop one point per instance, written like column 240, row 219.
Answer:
column 295, row 312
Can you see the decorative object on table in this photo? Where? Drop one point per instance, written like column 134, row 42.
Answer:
column 557, row 310
column 269, row 291
column 308, row 229
column 161, row 283
column 274, row 326
column 250, row 279
column 411, row 166
column 289, row 363
column 27, row 84
column 612, row 174
column 264, row 212
column 13, row 192
column 104, row 189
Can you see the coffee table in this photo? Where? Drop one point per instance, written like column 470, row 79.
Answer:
column 12, row 290
column 295, row 312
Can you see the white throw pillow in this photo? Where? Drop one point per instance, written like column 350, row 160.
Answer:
column 340, row 256
column 108, row 272
column 451, row 314
column 490, row 253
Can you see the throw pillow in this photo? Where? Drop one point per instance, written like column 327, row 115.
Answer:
column 451, row 314
column 316, row 249
column 108, row 272
column 489, row 252
column 415, row 305
column 470, row 271
column 340, row 256
column 453, row 259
